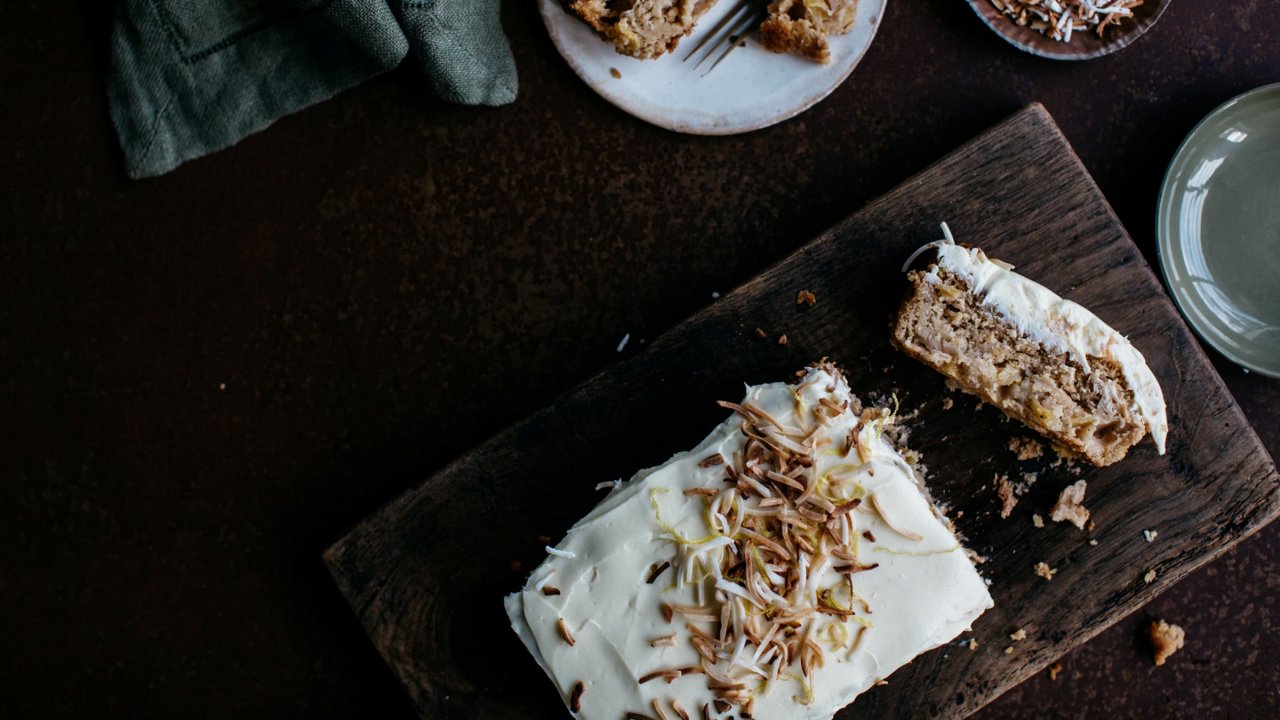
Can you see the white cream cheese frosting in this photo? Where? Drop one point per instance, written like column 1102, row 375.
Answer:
column 1058, row 324
column 915, row 586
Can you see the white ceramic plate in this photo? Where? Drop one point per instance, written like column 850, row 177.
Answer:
column 1218, row 229
column 753, row 88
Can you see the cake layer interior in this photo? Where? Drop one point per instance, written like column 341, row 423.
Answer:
column 1090, row 410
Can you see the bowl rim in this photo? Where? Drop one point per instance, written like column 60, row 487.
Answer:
column 1123, row 41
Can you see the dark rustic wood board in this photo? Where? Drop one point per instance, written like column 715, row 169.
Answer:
column 426, row 574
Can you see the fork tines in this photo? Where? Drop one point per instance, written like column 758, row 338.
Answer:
column 730, row 30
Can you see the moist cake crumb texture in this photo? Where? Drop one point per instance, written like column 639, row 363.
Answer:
column 642, row 29
column 1041, row 359
column 802, row 26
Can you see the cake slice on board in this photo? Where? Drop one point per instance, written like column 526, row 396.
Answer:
column 1042, row 359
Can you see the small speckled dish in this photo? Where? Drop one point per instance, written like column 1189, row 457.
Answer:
column 753, row 88
column 1083, row 45
column 1218, row 229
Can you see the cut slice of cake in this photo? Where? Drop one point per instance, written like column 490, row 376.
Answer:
column 802, row 26
column 1044, row 360
column 643, row 29
column 777, row 570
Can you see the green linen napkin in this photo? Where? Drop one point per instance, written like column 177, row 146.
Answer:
column 188, row 77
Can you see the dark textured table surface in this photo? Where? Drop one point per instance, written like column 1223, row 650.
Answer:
column 206, row 377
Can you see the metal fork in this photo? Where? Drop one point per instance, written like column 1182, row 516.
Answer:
column 731, row 29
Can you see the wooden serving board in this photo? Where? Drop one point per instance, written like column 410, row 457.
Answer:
column 426, row 574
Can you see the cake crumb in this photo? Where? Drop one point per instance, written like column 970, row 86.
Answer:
column 1070, row 506
column 1004, row 491
column 1037, row 520
column 1008, row 650
column 1166, row 639
column 1093, row 543
column 782, row 339
column 1025, row 448
column 1019, row 636
column 1044, row 571
column 1149, row 535
column 1054, row 669
column 804, row 297
column 973, row 644
column 760, row 333
column 1150, row 577
column 947, row 403
column 614, row 72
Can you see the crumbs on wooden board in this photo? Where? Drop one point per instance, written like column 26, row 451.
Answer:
column 1010, row 492
column 1043, row 570
column 1004, row 491
column 1070, row 506
column 1025, row 448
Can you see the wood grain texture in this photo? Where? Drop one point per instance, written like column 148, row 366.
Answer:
column 426, row 574
column 1084, row 45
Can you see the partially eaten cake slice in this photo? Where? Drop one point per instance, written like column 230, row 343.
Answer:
column 802, row 26
column 643, row 29
column 777, row 570
column 1044, row 360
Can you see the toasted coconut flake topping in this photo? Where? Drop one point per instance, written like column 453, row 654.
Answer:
column 550, row 590
column 1059, row 19
column 773, row 581
column 564, row 632
column 904, row 532
column 711, row 461
column 657, row 570
column 575, row 698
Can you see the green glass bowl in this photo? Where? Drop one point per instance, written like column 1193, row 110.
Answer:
column 1218, row 229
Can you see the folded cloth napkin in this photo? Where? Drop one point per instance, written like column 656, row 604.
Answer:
column 188, row 77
